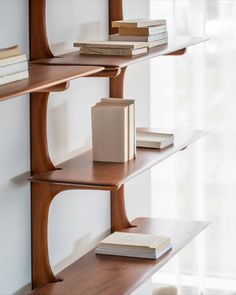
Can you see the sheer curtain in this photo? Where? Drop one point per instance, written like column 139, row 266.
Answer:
column 198, row 90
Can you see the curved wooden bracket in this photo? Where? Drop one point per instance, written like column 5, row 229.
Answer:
column 39, row 47
column 57, row 88
column 119, row 218
column 40, row 160
column 178, row 52
column 107, row 73
column 117, row 85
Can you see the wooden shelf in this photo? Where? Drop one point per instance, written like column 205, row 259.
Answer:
column 81, row 171
column 43, row 77
column 175, row 45
column 100, row 274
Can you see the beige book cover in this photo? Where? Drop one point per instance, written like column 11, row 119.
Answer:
column 110, row 44
column 110, row 133
column 138, row 23
column 135, row 242
column 108, row 51
column 9, row 52
column 142, row 31
column 12, row 60
column 14, row 77
column 156, row 37
column 131, row 120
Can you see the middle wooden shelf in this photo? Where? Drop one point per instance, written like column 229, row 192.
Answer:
column 82, row 172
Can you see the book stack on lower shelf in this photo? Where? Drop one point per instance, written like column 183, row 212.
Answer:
column 113, row 130
column 134, row 245
column 153, row 32
column 13, row 65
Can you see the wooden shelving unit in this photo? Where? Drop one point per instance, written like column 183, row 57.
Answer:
column 100, row 274
column 91, row 274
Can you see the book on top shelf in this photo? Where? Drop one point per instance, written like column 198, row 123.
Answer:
column 152, row 138
column 134, row 245
column 137, row 23
column 157, row 37
column 146, row 31
column 113, row 51
column 9, row 51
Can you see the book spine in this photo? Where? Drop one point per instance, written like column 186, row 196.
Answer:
column 13, row 68
column 106, row 51
column 14, row 77
column 141, row 31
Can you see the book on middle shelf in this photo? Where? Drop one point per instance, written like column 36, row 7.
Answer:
column 113, row 130
column 13, row 65
column 134, row 245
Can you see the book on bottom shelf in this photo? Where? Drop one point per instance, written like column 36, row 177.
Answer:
column 134, row 245
column 152, row 138
column 113, row 130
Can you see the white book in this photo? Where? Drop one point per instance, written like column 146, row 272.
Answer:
column 137, row 254
column 131, row 120
column 13, row 68
column 151, row 38
column 110, row 133
column 157, row 43
column 134, row 245
column 12, row 60
column 112, row 51
column 14, row 77
column 110, row 44
column 138, row 23
column 152, row 138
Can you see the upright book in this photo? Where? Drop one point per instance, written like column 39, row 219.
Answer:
column 134, row 245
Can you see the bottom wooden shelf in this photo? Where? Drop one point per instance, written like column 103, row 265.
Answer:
column 99, row 274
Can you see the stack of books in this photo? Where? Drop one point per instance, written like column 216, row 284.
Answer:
column 154, row 32
column 134, row 245
column 13, row 65
column 113, row 130
column 152, row 138
column 112, row 48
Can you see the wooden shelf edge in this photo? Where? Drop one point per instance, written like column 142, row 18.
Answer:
column 146, row 159
column 46, row 78
column 101, row 274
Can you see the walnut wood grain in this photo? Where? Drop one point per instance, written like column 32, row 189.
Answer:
column 117, row 85
column 100, row 274
column 115, row 13
column 174, row 45
column 82, row 171
column 39, row 47
column 42, row 77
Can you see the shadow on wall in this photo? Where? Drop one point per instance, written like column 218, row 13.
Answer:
column 82, row 246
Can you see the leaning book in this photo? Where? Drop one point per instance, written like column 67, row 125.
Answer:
column 134, row 245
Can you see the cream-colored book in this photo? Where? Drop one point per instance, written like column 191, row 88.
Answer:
column 152, row 38
column 157, row 43
column 131, row 120
column 134, row 245
column 9, row 52
column 111, row 51
column 13, row 68
column 152, row 138
column 110, row 133
column 12, row 60
column 142, row 31
column 14, row 77
column 110, row 44
column 138, row 23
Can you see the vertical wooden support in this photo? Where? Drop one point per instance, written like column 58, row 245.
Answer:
column 40, row 203
column 117, row 85
column 115, row 13
column 119, row 218
column 39, row 47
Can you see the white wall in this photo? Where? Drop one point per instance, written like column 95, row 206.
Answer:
column 77, row 218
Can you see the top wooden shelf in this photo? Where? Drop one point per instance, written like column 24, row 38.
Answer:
column 113, row 62
column 43, row 77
